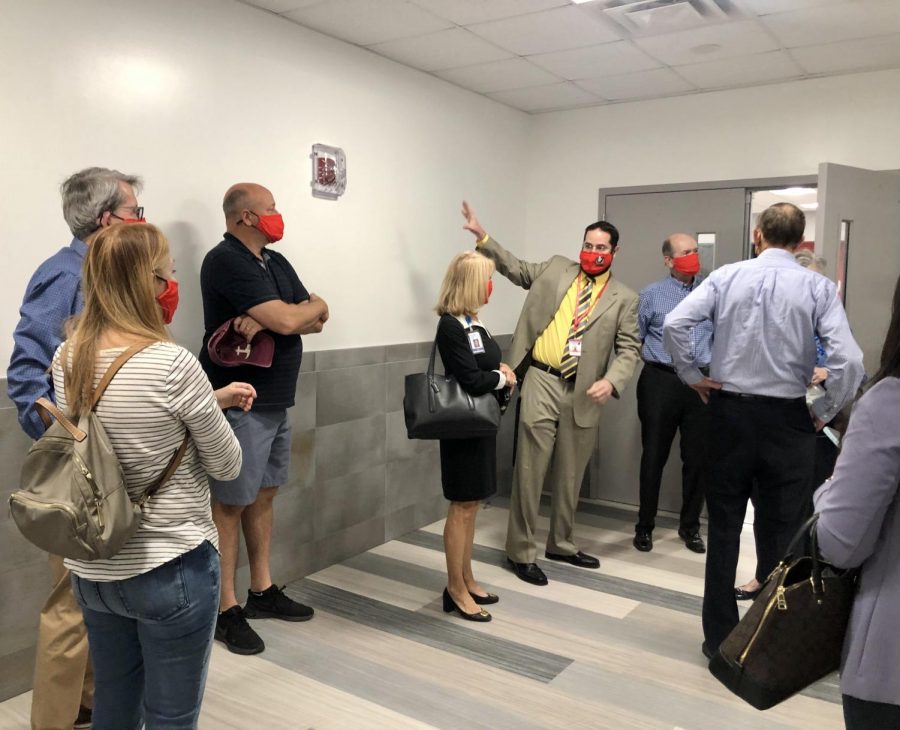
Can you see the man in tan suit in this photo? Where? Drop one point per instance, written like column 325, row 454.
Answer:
column 574, row 317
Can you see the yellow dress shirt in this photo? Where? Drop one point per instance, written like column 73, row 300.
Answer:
column 550, row 345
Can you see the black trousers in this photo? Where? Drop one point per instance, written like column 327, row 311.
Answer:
column 771, row 442
column 865, row 715
column 666, row 405
column 823, row 467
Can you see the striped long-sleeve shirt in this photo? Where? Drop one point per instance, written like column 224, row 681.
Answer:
column 156, row 395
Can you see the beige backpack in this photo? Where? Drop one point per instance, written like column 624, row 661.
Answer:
column 73, row 499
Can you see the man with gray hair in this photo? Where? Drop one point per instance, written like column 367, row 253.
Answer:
column 92, row 199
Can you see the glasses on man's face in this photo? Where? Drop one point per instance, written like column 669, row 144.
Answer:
column 137, row 212
column 600, row 248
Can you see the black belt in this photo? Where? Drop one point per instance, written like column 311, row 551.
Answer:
column 671, row 368
column 759, row 398
column 553, row 371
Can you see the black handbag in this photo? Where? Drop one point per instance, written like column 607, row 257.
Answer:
column 437, row 407
column 793, row 633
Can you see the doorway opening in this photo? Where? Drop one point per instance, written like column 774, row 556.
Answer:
column 805, row 197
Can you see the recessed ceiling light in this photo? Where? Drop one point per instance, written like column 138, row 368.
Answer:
column 809, row 206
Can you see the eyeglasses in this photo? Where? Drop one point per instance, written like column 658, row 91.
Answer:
column 602, row 248
column 137, row 211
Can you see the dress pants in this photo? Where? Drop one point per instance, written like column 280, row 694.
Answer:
column 549, row 440
column 666, row 405
column 772, row 441
column 866, row 715
column 63, row 679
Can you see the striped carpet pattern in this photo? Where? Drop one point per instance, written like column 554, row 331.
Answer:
column 617, row 647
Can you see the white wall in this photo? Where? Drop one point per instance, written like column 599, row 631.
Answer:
column 764, row 131
column 197, row 95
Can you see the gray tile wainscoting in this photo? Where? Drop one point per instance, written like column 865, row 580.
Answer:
column 356, row 481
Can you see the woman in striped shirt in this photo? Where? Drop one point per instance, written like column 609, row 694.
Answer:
column 150, row 610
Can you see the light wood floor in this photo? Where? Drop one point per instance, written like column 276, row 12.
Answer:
column 614, row 648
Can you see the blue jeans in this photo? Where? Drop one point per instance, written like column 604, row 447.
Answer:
column 150, row 639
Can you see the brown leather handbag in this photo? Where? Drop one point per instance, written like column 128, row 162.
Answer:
column 793, row 633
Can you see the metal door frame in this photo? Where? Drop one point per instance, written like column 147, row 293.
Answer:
column 750, row 185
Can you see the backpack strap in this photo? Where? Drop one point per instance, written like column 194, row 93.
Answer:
column 169, row 471
column 113, row 369
column 46, row 408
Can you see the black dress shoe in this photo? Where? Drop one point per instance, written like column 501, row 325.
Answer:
column 484, row 600
column 529, row 572
column 741, row 595
column 450, row 606
column 707, row 652
column 580, row 559
column 643, row 540
column 693, row 541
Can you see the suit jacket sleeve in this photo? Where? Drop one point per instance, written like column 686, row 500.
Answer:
column 627, row 347
column 460, row 362
column 520, row 273
column 852, row 505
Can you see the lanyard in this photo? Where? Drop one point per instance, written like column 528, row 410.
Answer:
column 576, row 320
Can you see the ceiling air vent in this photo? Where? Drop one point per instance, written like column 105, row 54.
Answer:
column 651, row 17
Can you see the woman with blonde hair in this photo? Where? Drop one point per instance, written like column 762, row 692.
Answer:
column 468, row 466
column 150, row 609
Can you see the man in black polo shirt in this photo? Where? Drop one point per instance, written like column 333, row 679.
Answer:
column 242, row 278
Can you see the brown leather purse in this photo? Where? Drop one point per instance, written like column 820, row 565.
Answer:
column 793, row 633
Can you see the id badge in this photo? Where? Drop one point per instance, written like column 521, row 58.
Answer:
column 476, row 344
column 574, row 348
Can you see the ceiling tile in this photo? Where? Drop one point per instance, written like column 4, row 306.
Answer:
column 847, row 21
column 368, row 21
column 766, row 7
column 281, row 6
column 548, row 31
column 466, row 12
column 444, row 49
column 604, row 60
column 728, row 72
column 545, row 98
column 513, row 73
column 707, row 44
column 882, row 52
column 643, row 84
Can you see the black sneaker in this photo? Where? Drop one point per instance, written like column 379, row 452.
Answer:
column 272, row 603
column 233, row 630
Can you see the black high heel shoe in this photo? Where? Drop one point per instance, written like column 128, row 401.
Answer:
column 485, row 600
column 450, row 606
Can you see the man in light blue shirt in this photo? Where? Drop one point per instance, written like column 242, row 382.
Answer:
column 665, row 404
column 765, row 313
column 92, row 199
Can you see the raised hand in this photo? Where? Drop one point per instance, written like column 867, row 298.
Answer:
column 472, row 223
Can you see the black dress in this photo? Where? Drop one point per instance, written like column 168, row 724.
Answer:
column 468, row 466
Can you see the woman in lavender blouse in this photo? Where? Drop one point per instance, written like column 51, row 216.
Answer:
column 859, row 525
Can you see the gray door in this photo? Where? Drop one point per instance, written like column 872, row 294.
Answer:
column 866, row 204
column 644, row 220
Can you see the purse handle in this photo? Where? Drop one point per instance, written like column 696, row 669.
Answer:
column 433, row 387
column 807, row 531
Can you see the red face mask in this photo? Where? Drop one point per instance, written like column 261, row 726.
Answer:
column 271, row 226
column 488, row 291
column 593, row 263
column 168, row 300
column 688, row 265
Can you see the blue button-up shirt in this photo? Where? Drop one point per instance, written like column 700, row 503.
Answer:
column 657, row 300
column 52, row 296
column 766, row 313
